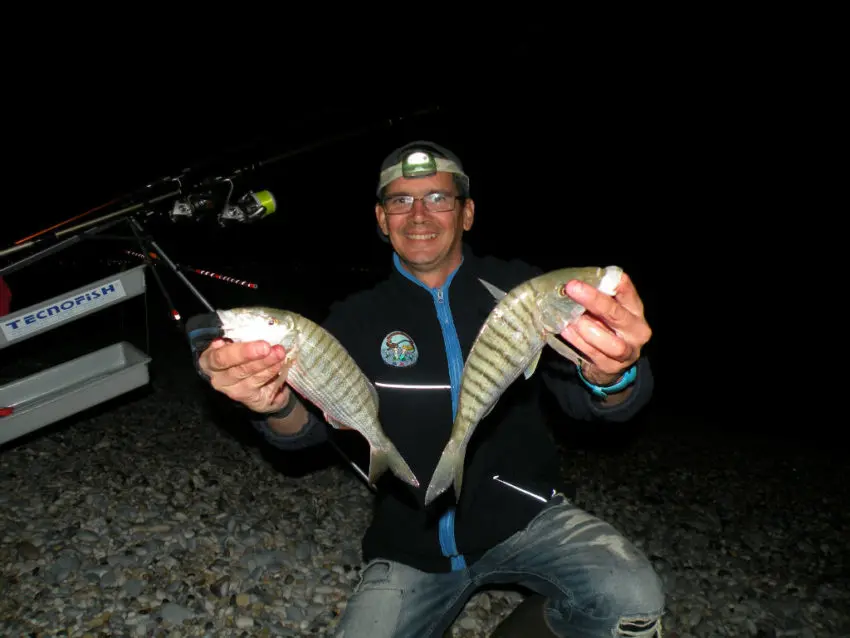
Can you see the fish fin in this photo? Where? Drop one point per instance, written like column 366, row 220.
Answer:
column 458, row 481
column 381, row 460
column 339, row 425
column 489, row 410
column 493, row 290
column 533, row 365
column 564, row 350
column 374, row 392
column 551, row 318
column 446, row 471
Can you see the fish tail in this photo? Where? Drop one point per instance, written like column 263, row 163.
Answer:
column 449, row 470
column 383, row 459
column 459, row 477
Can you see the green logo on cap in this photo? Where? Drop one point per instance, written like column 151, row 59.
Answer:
column 417, row 164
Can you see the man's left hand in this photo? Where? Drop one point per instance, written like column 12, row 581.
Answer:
column 611, row 332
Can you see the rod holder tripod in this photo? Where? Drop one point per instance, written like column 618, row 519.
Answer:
column 145, row 243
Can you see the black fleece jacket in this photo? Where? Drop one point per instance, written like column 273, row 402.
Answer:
column 416, row 409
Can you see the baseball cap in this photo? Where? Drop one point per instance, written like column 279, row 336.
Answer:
column 419, row 159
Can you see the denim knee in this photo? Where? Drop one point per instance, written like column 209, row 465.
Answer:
column 627, row 595
column 637, row 591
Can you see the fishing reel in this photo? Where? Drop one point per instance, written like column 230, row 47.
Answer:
column 248, row 208
column 191, row 208
column 251, row 207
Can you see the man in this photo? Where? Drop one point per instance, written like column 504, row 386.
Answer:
column 410, row 335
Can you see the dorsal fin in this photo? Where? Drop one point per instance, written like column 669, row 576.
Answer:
column 497, row 293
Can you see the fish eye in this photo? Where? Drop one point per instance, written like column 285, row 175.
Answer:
column 562, row 290
column 272, row 322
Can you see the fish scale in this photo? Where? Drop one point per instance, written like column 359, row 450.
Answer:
column 502, row 356
column 509, row 343
column 324, row 373
column 320, row 370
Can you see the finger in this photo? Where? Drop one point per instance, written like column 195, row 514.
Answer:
column 603, row 362
column 273, row 374
column 240, row 381
column 628, row 296
column 274, row 391
column 233, row 354
column 204, row 357
column 607, row 308
column 260, row 384
column 602, row 339
column 244, row 363
column 260, row 391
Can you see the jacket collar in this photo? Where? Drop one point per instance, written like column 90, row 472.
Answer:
column 401, row 275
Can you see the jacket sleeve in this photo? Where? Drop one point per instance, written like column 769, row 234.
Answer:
column 313, row 433
column 576, row 400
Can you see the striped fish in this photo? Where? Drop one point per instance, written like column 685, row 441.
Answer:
column 510, row 342
column 324, row 373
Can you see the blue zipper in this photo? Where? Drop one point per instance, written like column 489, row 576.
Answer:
column 455, row 361
column 453, row 352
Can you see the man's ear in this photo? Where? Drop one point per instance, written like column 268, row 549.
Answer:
column 381, row 216
column 468, row 214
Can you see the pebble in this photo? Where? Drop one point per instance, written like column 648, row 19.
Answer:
column 148, row 519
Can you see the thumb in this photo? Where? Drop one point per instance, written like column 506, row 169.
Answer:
column 277, row 393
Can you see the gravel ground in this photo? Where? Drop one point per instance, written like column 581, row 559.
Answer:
column 144, row 518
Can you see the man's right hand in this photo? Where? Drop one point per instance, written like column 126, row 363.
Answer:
column 252, row 373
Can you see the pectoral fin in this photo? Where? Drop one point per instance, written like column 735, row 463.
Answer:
column 564, row 350
column 533, row 365
column 493, row 290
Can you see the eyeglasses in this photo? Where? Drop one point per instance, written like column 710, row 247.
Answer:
column 434, row 203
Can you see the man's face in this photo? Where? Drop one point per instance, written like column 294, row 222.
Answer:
column 426, row 240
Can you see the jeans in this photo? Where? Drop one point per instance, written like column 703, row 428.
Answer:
column 596, row 583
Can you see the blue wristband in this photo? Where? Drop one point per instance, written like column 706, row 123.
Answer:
column 603, row 392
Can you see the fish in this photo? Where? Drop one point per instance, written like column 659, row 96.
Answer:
column 323, row 372
column 509, row 343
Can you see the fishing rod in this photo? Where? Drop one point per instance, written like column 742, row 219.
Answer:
column 198, row 271
column 84, row 225
column 75, row 217
column 251, row 207
column 185, row 208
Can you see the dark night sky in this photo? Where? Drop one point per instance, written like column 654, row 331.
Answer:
column 576, row 156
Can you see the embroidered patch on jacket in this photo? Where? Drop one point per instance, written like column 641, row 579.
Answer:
column 398, row 349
